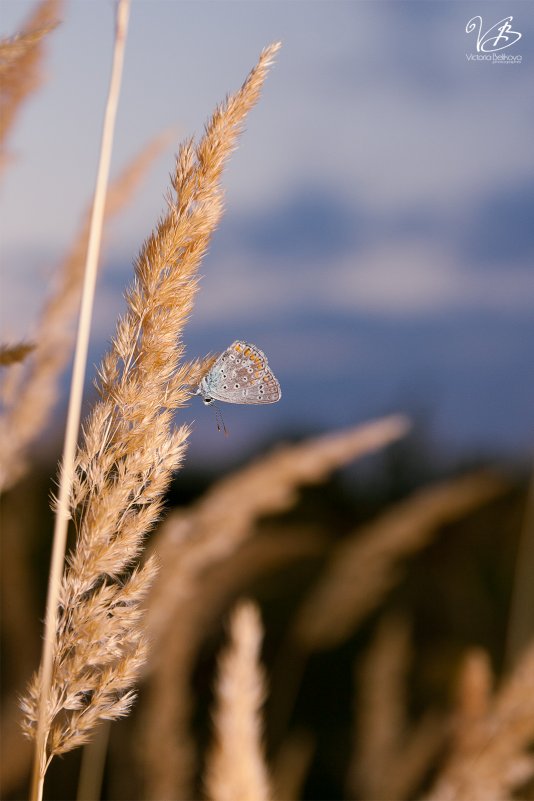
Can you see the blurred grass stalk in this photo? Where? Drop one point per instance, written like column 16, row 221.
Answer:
column 207, row 558
column 75, row 401
column 364, row 566
column 21, row 66
column 236, row 766
column 194, row 542
column 390, row 755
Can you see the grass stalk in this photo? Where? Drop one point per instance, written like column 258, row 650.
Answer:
column 236, row 769
column 75, row 400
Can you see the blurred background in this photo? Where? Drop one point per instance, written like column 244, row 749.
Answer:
column 378, row 245
column 378, row 241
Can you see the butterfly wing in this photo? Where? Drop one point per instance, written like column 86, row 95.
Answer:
column 241, row 375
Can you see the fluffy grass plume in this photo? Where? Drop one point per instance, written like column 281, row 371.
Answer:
column 29, row 397
column 235, row 769
column 130, row 448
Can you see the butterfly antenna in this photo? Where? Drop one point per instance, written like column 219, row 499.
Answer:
column 220, row 421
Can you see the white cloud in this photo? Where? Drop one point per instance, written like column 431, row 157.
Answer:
column 414, row 278
column 406, row 279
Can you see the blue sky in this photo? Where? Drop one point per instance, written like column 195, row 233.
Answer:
column 378, row 241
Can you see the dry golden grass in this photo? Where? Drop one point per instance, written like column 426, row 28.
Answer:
column 190, row 545
column 400, row 755
column 167, row 750
column 491, row 755
column 365, row 566
column 211, row 552
column 30, row 397
column 189, row 542
column 130, row 448
column 21, row 64
column 235, row 769
column 390, row 757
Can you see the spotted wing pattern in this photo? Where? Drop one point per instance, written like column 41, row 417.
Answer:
column 241, row 375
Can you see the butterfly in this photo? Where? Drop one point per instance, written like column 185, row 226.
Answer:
column 240, row 375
